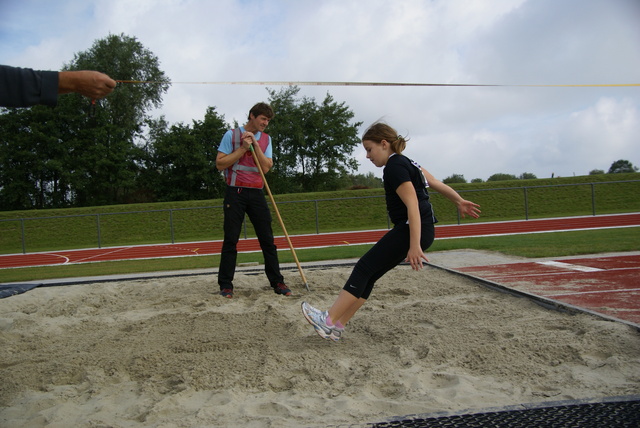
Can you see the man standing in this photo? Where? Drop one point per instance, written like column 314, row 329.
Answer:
column 244, row 194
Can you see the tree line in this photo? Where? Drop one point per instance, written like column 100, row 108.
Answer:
column 617, row 167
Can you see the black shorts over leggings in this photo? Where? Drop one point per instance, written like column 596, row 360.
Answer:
column 386, row 254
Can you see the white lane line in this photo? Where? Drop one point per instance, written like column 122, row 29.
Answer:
column 570, row 266
column 623, row 290
column 102, row 254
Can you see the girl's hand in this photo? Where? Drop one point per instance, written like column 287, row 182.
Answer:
column 415, row 258
column 468, row 208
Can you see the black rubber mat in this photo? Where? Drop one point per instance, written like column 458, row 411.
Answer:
column 596, row 415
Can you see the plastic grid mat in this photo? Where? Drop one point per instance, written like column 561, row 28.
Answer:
column 615, row 414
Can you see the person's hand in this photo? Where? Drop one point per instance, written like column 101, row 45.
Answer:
column 248, row 139
column 415, row 257
column 468, row 208
column 91, row 84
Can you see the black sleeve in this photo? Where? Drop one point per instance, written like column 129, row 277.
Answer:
column 24, row 87
column 396, row 172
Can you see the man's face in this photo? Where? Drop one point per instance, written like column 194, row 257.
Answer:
column 259, row 123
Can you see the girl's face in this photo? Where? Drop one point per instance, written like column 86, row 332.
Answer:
column 378, row 153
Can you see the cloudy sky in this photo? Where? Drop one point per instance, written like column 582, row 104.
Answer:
column 473, row 131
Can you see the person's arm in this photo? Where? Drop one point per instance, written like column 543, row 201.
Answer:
column 224, row 161
column 464, row 207
column 226, row 156
column 265, row 163
column 24, row 87
column 407, row 193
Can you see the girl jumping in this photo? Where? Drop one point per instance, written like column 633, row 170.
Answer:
column 410, row 211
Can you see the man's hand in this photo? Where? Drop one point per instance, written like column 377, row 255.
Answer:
column 248, row 139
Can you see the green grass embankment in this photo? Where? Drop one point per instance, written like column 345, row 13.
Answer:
column 303, row 213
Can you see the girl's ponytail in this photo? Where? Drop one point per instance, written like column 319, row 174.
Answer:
column 381, row 131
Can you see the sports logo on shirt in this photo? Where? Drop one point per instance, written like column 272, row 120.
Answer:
column 422, row 177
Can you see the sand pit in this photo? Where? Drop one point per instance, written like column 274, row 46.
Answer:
column 170, row 352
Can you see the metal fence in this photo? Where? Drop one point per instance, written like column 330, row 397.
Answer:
column 197, row 223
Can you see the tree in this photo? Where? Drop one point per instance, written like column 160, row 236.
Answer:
column 502, row 177
column 18, row 160
column 33, row 158
column 596, row 172
column 111, row 164
column 455, row 178
column 361, row 181
column 312, row 143
column 527, row 176
column 477, row 180
column 180, row 163
column 125, row 58
column 621, row 166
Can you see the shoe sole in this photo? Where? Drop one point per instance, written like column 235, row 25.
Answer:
column 318, row 330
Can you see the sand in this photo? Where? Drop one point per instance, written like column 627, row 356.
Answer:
column 170, row 352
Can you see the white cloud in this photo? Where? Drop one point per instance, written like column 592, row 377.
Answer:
column 603, row 133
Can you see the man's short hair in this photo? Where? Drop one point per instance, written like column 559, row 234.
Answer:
column 261, row 109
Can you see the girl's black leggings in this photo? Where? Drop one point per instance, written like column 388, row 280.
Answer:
column 386, row 254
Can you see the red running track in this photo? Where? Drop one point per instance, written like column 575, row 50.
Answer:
column 313, row 241
column 606, row 285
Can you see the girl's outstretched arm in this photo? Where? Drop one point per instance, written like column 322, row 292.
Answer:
column 466, row 208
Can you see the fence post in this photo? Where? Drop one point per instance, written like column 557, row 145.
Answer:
column 171, row 225
column 24, row 246
column 244, row 224
column 317, row 221
column 98, row 229
column 526, row 204
column 593, row 198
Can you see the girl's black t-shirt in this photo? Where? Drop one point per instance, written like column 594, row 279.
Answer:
column 400, row 169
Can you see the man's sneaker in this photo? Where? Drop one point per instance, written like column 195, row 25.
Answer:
column 227, row 292
column 281, row 288
column 318, row 319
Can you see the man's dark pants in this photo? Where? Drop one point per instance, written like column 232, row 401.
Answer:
column 237, row 202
